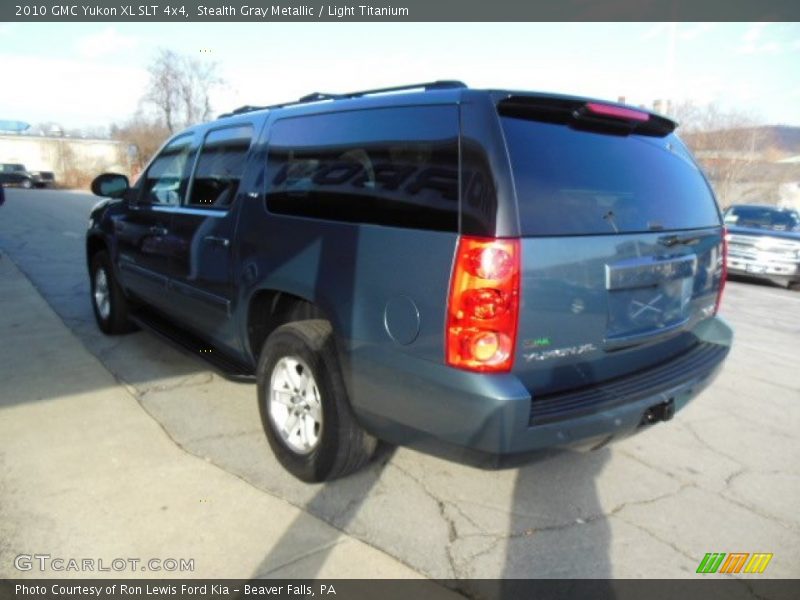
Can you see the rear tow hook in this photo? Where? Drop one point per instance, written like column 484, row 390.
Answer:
column 658, row 412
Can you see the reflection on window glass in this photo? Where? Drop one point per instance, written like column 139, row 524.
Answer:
column 220, row 167
column 396, row 167
column 167, row 177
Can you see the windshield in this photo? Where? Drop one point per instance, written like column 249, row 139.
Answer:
column 572, row 182
column 761, row 217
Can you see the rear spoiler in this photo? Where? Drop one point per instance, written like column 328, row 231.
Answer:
column 602, row 117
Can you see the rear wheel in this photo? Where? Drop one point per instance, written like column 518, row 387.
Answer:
column 26, row 183
column 109, row 303
column 304, row 407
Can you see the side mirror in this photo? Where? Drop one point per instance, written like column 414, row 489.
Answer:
column 110, row 185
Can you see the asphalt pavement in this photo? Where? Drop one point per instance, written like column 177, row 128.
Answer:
column 723, row 476
column 88, row 475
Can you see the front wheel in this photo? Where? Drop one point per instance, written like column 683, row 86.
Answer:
column 109, row 304
column 304, row 407
column 27, row 184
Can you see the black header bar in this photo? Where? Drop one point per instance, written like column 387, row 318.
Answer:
column 397, row 10
column 700, row 587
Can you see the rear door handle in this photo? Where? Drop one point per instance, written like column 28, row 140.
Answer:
column 213, row 239
column 158, row 230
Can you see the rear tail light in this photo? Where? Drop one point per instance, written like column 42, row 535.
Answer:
column 483, row 306
column 724, row 269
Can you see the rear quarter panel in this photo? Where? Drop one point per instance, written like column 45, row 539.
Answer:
column 353, row 273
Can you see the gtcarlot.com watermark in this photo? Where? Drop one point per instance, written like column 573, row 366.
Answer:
column 46, row 562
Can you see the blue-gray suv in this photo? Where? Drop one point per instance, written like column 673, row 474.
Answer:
column 498, row 270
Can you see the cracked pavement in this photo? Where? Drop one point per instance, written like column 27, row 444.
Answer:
column 723, row 476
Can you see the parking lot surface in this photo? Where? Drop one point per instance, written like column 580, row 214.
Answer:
column 723, row 476
column 88, row 475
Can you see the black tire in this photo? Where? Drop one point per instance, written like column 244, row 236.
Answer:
column 342, row 446
column 794, row 286
column 27, row 184
column 116, row 321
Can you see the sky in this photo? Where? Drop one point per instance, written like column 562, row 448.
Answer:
column 94, row 74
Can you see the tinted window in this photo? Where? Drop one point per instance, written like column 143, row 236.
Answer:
column 220, row 167
column 167, row 177
column 761, row 217
column 572, row 182
column 394, row 166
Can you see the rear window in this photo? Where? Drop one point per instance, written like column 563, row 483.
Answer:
column 572, row 182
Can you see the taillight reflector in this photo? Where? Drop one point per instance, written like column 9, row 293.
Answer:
column 617, row 112
column 483, row 305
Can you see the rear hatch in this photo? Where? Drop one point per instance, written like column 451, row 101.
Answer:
column 621, row 242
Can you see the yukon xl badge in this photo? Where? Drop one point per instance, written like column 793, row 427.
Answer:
column 559, row 352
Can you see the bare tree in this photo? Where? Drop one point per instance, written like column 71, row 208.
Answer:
column 179, row 89
column 178, row 95
column 145, row 134
column 729, row 144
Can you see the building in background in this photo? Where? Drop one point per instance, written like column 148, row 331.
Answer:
column 74, row 161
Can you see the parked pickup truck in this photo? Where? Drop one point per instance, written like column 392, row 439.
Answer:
column 17, row 174
column 764, row 242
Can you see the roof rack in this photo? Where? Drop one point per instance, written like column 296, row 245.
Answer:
column 323, row 96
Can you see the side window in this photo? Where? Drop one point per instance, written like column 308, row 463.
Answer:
column 167, row 178
column 387, row 166
column 220, row 167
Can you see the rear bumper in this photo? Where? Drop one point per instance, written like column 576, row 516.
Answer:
column 403, row 400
